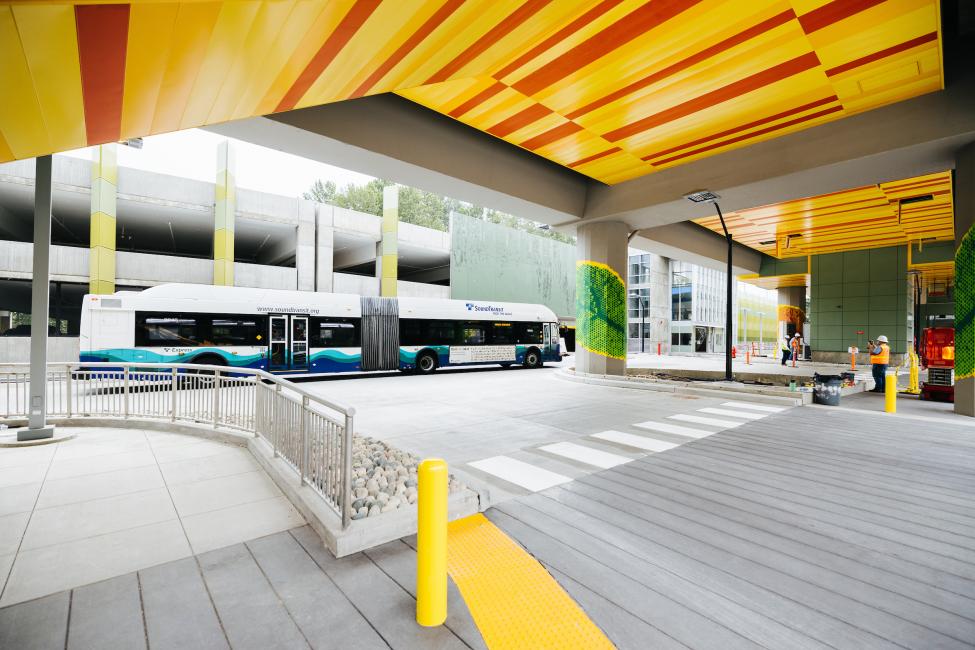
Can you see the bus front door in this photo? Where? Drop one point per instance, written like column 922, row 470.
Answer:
column 288, row 343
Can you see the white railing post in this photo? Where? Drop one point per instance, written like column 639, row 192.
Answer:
column 345, row 501
column 303, row 431
column 68, row 385
column 274, row 419
column 257, row 409
column 125, row 391
column 172, row 400
column 216, row 398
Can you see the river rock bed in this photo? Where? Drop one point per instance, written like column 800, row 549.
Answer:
column 384, row 478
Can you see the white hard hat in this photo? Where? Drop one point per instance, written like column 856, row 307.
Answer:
column 882, row 338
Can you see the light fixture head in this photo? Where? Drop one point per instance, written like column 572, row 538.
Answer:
column 702, row 196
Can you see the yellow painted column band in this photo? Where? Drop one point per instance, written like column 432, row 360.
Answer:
column 513, row 600
column 104, row 190
column 388, row 259
column 224, row 213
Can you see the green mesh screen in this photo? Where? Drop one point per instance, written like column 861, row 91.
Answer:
column 600, row 309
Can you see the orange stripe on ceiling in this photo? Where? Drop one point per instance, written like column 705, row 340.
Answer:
column 551, row 135
column 520, row 119
column 745, row 127
column 692, row 60
column 595, row 156
column 477, row 99
column 736, row 89
column 499, row 31
column 103, row 32
column 753, row 134
column 558, row 36
column 883, row 54
column 337, row 40
column 634, row 24
column 415, row 39
column 833, row 13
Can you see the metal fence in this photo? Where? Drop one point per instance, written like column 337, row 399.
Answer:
column 314, row 436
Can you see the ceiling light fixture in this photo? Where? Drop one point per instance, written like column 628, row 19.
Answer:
column 702, row 196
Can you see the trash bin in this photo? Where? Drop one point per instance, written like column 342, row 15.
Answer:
column 826, row 389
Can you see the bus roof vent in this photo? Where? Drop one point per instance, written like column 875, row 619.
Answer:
column 111, row 303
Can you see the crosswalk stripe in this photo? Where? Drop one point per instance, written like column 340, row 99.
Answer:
column 755, row 407
column 631, row 440
column 520, row 473
column 664, row 427
column 714, row 422
column 586, row 455
column 734, row 414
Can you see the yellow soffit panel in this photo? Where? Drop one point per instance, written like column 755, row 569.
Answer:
column 613, row 89
column 888, row 214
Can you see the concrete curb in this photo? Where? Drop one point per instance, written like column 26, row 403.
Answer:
column 793, row 399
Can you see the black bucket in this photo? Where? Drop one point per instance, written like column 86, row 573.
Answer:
column 826, row 389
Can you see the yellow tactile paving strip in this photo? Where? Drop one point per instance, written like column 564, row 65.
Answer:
column 512, row 598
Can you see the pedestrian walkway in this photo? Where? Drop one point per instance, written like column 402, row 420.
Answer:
column 111, row 501
column 811, row 528
column 545, row 466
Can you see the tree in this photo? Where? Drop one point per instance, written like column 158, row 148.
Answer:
column 321, row 192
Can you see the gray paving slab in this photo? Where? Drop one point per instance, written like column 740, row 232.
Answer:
column 252, row 615
column 390, row 610
column 626, row 631
column 107, row 615
column 36, row 624
column 398, row 561
column 323, row 613
column 655, row 607
column 178, row 611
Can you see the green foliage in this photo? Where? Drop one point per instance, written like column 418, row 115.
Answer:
column 419, row 207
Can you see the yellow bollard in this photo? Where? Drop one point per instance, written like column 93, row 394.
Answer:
column 890, row 393
column 431, row 543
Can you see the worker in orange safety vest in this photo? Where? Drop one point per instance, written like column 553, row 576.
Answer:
column 796, row 345
column 879, row 359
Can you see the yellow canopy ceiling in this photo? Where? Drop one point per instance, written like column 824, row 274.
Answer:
column 614, row 89
column 863, row 217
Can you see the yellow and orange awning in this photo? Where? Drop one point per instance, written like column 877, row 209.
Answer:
column 613, row 89
column 863, row 217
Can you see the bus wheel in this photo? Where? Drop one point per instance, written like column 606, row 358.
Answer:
column 533, row 359
column 206, row 360
column 426, row 363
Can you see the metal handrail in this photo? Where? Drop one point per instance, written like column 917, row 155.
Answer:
column 313, row 435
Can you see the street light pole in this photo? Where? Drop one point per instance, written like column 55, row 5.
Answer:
column 728, row 307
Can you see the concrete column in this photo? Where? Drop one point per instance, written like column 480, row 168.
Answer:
column 305, row 245
column 224, row 215
column 324, row 248
column 387, row 256
column 104, row 189
column 37, row 426
column 601, row 298
column 965, row 281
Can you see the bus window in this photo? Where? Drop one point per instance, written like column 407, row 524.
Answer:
column 234, row 330
column 159, row 330
column 335, row 333
column 473, row 333
column 501, row 334
column 529, row 332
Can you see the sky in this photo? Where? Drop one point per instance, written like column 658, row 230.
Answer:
column 193, row 154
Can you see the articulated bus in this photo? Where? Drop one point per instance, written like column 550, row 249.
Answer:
column 297, row 332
